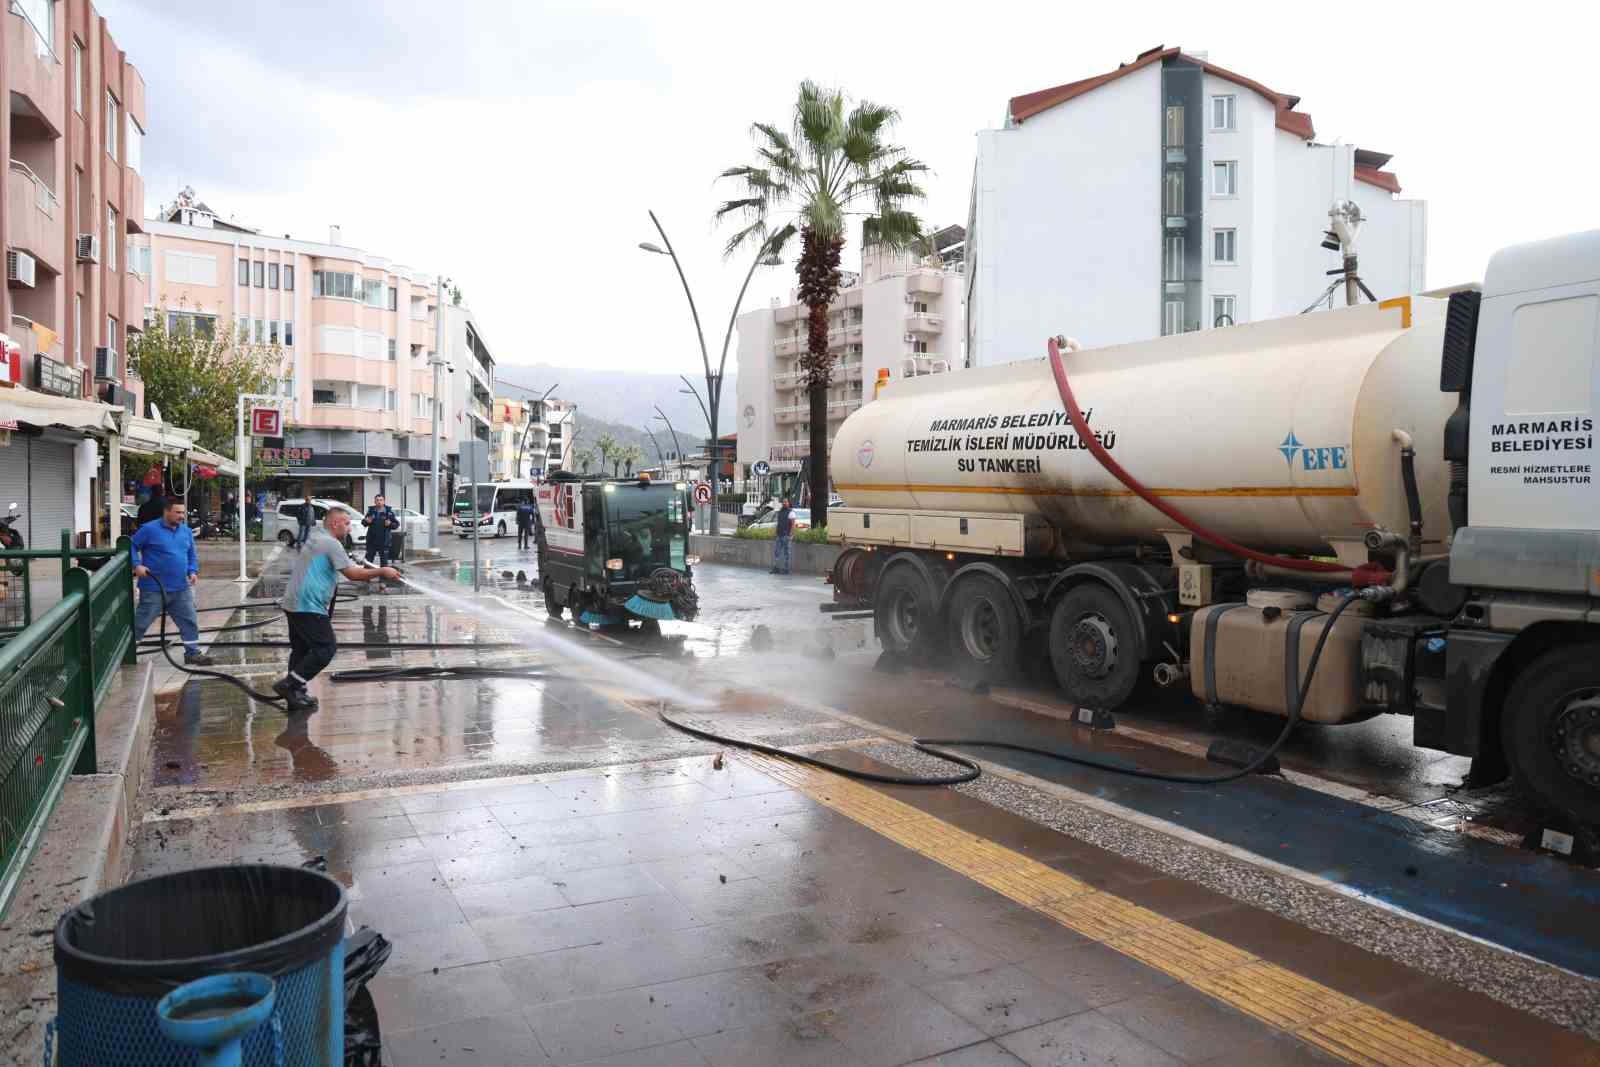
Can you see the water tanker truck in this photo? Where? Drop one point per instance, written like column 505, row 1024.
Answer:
column 1416, row 477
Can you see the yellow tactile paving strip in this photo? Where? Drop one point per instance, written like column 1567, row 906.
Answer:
column 1337, row 1024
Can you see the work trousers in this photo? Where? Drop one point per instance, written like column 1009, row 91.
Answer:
column 781, row 558
column 180, row 609
column 378, row 552
column 524, row 536
column 311, row 644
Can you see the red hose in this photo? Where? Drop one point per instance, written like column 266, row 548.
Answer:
column 1087, row 438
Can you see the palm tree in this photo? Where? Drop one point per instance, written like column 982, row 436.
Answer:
column 608, row 448
column 830, row 165
column 631, row 454
column 584, row 458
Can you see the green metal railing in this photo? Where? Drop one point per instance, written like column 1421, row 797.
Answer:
column 53, row 672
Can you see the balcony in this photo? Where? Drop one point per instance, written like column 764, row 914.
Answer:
column 788, row 450
column 920, row 363
column 789, row 346
column 792, row 313
column 925, row 283
column 33, row 66
column 32, row 210
column 792, row 413
column 925, row 323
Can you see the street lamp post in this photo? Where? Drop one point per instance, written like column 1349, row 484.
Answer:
column 538, row 405
column 436, row 362
column 766, row 255
column 659, row 457
column 676, row 447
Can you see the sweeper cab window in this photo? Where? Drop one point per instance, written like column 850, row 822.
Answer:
column 647, row 527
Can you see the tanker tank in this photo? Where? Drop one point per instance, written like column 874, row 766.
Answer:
column 1276, row 434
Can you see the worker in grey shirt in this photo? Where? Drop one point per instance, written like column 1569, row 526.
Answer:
column 306, row 601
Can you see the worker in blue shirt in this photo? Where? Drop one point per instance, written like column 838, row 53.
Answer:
column 164, row 560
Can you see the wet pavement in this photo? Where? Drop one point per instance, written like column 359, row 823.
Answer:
column 568, row 880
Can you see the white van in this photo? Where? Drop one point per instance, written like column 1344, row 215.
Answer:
column 497, row 507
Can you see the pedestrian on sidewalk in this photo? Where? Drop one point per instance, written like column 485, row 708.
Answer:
column 165, row 562
column 781, row 544
column 525, row 514
column 381, row 522
column 307, row 601
column 306, row 521
column 150, row 510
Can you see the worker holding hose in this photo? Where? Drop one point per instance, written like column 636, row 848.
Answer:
column 307, row 600
column 166, row 565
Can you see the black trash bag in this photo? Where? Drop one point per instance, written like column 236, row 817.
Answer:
column 365, row 953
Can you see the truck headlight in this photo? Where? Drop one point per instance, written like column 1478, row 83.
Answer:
column 613, row 564
column 692, row 561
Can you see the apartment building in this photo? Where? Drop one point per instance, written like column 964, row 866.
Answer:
column 902, row 314
column 356, row 332
column 75, row 131
column 1167, row 195
column 521, row 439
column 560, row 433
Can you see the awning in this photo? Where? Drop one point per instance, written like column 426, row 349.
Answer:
column 159, row 438
column 45, row 409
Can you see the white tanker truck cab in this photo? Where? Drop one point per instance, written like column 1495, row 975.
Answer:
column 1440, row 448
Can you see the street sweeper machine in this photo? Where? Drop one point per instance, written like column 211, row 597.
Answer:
column 612, row 550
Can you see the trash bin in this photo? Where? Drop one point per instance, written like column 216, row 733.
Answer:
column 119, row 953
column 397, row 545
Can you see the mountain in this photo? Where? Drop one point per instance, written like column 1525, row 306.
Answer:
column 591, row 429
column 622, row 397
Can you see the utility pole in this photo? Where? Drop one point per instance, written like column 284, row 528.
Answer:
column 436, row 362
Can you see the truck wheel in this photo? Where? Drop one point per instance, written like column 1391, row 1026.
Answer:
column 985, row 629
column 904, row 615
column 1550, row 727
column 285, row 537
column 552, row 606
column 1094, row 647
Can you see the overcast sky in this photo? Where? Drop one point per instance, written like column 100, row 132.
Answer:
column 515, row 145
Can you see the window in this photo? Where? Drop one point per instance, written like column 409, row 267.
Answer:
column 272, row 332
column 1171, row 317
column 244, row 272
column 288, row 277
column 335, row 283
column 394, row 299
column 919, row 346
column 112, row 240
column 919, row 308
column 77, row 331
column 1174, row 126
column 113, row 121
column 1222, row 311
column 135, row 150
column 288, row 334
column 388, row 401
column 138, row 258
column 201, row 325
column 1225, row 178
column 372, row 292
column 111, row 342
column 1223, row 246
column 261, row 331
column 391, row 349
column 77, row 76
column 40, row 14
column 1222, row 112
column 258, row 274
column 1172, row 192
column 272, row 275
column 1172, row 259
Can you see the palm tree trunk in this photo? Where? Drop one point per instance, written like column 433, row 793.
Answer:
column 818, row 269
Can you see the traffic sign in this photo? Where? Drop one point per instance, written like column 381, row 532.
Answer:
column 702, row 492
column 761, row 468
column 266, row 422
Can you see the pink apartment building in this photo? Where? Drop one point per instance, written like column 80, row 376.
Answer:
column 357, row 332
column 74, row 130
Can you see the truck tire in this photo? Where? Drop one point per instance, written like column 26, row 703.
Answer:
column 985, row 630
column 1094, row 647
column 552, row 606
column 1550, row 727
column 904, row 615
column 285, row 537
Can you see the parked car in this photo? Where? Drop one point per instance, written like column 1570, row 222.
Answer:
column 801, row 516
column 415, row 526
column 284, row 523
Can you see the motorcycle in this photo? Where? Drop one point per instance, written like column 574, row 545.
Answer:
column 10, row 536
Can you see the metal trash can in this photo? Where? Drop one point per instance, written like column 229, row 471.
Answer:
column 397, row 545
column 119, row 953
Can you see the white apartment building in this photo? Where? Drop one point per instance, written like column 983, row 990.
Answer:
column 1167, row 195
column 901, row 314
column 560, row 435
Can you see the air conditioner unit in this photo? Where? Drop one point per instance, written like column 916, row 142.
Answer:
column 105, row 363
column 19, row 269
column 909, row 300
column 112, row 394
column 910, row 337
column 88, row 248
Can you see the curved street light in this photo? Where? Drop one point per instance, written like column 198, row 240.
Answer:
column 765, row 257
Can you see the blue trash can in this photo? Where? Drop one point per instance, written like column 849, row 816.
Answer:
column 118, row 954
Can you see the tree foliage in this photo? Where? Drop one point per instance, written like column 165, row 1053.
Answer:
column 832, row 163
column 631, row 455
column 609, row 450
column 584, row 458
column 195, row 379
